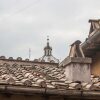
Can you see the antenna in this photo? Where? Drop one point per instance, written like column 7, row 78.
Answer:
column 29, row 53
column 47, row 38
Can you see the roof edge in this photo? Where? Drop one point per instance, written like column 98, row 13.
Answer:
column 31, row 91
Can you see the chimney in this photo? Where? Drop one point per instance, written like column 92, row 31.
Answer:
column 76, row 65
column 95, row 26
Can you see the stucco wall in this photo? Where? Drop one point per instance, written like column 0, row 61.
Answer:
column 30, row 97
column 78, row 72
column 19, row 97
column 42, row 97
column 95, row 67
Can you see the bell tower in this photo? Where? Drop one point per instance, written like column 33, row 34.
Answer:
column 48, row 57
column 47, row 49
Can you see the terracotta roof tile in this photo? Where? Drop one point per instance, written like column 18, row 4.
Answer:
column 45, row 76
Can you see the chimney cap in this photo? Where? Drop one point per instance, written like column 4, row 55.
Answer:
column 94, row 20
column 77, row 42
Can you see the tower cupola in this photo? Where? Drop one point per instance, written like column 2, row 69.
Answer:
column 48, row 57
column 48, row 49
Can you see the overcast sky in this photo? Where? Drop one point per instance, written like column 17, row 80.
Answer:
column 25, row 24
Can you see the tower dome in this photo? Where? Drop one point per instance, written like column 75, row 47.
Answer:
column 48, row 57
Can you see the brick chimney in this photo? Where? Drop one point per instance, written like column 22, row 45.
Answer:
column 76, row 65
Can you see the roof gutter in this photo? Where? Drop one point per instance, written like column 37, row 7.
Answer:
column 34, row 90
column 45, row 91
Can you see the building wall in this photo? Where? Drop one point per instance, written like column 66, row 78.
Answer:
column 26, row 63
column 4, row 96
column 95, row 68
column 19, row 97
column 78, row 72
column 42, row 97
column 31, row 97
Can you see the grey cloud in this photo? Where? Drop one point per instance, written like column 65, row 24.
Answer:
column 25, row 24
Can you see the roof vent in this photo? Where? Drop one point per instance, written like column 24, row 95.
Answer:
column 27, row 59
column 42, row 60
column 52, row 61
column 76, row 50
column 2, row 57
column 10, row 58
column 35, row 60
column 19, row 58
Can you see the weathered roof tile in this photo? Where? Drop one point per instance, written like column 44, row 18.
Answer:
column 42, row 76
